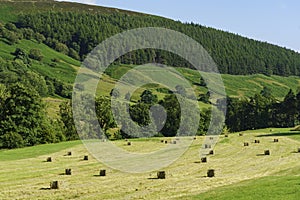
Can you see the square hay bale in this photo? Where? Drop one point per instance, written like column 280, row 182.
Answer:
column 267, row 152
column 276, row 140
column 102, row 172
column 246, row 144
column 68, row 171
column 211, row 173
column 86, row 158
column 49, row 159
column 204, row 160
column 256, row 141
column 211, row 152
column 161, row 175
column 54, row 185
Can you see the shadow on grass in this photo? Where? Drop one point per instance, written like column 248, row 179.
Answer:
column 98, row 176
column 291, row 133
column 297, row 152
column 261, row 154
column 45, row 188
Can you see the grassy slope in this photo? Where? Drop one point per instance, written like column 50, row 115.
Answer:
column 35, row 151
column 240, row 173
column 236, row 86
column 65, row 69
column 284, row 185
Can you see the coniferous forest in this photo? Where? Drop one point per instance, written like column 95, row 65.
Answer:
column 81, row 32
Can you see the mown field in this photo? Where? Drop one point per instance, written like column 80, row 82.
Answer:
column 241, row 172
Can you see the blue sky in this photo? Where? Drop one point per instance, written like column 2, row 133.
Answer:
column 274, row 21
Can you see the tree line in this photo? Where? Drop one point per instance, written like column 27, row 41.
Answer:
column 263, row 111
column 23, row 119
column 76, row 34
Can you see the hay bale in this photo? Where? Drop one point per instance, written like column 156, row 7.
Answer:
column 195, row 138
column 174, row 142
column 298, row 150
column 162, row 141
column 267, row 152
column 241, row 134
column 166, row 142
column 256, row 141
column 211, row 138
column 102, row 172
column 246, row 144
column 276, row 140
column 211, row 173
column 49, row 159
column 128, row 143
column 69, row 153
column 68, row 171
column 161, row 175
column 54, row 185
column 211, row 152
column 204, row 160
column 207, row 146
column 86, row 158
column 226, row 135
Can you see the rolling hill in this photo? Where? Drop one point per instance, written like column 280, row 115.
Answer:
column 82, row 27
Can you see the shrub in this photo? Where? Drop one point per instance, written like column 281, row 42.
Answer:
column 12, row 140
column 36, row 54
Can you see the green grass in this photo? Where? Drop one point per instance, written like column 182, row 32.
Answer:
column 282, row 186
column 235, row 85
column 35, row 151
column 240, row 173
column 6, row 14
column 65, row 69
column 240, row 86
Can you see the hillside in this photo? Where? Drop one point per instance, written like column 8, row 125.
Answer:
column 79, row 26
column 42, row 51
column 241, row 172
column 236, row 86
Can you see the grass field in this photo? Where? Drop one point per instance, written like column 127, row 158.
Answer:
column 241, row 172
column 63, row 69
column 235, row 85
